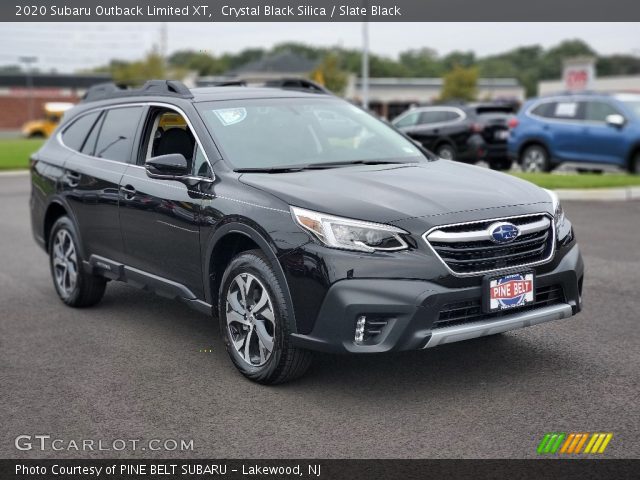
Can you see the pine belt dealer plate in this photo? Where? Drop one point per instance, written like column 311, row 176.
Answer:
column 508, row 291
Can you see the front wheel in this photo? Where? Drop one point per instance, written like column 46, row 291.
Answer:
column 535, row 159
column 74, row 286
column 446, row 151
column 254, row 322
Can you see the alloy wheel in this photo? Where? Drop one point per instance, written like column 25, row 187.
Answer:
column 446, row 153
column 65, row 263
column 534, row 160
column 250, row 319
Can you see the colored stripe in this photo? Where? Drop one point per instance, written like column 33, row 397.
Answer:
column 584, row 439
column 543, row 443
column 594, row 437
column 596, row 445
column 574, row 443
column 555, row 447
column 567, row 442
column 605, row 443
column 550, row 443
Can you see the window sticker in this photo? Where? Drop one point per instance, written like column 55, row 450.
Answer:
column 230, row 116
column 566, row 109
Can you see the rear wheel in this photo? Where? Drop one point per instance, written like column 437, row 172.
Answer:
column 446, row 151
column 74, row 286
column 535, row 158
column 254, row 321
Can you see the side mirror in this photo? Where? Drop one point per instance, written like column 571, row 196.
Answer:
column 615, row 120
column 168, row 167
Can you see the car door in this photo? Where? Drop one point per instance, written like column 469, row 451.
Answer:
column 567, row 130
column 602, row 143
column 92, row 176
column 160, row 218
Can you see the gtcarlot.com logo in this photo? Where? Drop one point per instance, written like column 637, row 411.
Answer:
column 574, row 443
column 46, row 442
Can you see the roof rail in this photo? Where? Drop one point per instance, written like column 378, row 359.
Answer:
column 297, row 83
column 171, row 88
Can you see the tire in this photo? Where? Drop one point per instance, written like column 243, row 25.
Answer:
column 634, row 163
column 535, row 158
column 74, row 286
column 253, row 316
column 446, row 151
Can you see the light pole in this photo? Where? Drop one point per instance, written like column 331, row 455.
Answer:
column 365, row 58
column 28, row 61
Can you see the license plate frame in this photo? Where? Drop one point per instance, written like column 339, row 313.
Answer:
column 514, row 284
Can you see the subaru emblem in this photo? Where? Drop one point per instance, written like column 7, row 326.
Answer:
column 503, row 232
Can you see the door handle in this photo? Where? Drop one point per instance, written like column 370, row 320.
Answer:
column 128, row 192
column 72, row 178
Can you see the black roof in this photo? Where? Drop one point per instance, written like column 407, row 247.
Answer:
column 176, row 89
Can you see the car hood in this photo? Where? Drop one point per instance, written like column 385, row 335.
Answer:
column 389, row 193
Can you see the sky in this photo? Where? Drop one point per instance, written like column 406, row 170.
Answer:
column 68, row 47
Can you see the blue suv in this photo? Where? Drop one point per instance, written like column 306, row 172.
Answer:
column 588, row 128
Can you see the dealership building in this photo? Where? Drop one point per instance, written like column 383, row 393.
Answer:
column 22, row 96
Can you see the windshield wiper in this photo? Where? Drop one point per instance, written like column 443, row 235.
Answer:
column 314, row 166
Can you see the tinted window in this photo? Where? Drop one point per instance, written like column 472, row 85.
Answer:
column 438, row 116
column 598, row 111
column 544, row 109
column 90, row 143
column 115, row 140
column 407, row 120
column 73, row 137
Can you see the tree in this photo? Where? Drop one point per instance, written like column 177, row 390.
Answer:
column 460, row 84
column 329, row 74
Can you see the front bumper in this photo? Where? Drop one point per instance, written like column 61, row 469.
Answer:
column 411, row 307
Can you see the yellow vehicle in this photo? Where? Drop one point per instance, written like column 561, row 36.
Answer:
column 44, row 127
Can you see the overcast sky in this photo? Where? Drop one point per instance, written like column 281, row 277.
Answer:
column 74, row 46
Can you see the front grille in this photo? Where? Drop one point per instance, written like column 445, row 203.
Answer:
column 468, row 249
column 469, row 311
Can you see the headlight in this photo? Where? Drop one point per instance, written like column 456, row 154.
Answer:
column 349, row 234
column 559, row 216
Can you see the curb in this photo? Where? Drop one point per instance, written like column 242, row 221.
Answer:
column 587, row 194
column 13, row 173
column 599, row 194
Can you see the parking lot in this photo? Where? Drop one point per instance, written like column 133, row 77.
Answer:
column 141, row 367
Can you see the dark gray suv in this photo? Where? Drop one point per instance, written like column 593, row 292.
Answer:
column 297, row 220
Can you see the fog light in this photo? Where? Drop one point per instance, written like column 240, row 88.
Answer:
column 360, row 324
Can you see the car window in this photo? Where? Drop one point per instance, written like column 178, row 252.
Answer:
column 169, row 133
column 116, row 136
column 283, row 132
column 431, row 116
column 200, row 165
column 89, row 146
column 566, row 110
column 545, row 109
column 75, row 134
column 449, row 116
column 599, row 111
column 408, row 120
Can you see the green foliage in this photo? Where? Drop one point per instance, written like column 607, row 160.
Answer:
column 529, row 64
column 460, row 84
column 15, row 152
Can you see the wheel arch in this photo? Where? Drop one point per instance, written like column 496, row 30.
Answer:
column 531, row 142
column 225, row 243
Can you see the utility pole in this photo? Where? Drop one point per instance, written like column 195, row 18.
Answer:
column 28, row 61
column 365, row 62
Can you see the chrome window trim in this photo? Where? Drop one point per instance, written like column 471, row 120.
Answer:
column 136, row 104
column 494, row 270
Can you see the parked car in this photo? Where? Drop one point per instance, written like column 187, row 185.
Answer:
column 298, row 220
column 589, row 129
column 42, row 128
column 468, row 133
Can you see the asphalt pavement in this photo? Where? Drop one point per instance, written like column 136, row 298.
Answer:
column 141, row 367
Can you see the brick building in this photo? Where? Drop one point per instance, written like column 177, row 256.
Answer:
column 22, row 97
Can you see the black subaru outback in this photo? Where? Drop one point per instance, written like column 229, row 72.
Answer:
column 298, row 220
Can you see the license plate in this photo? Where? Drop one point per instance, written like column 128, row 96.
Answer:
column 509, row 291
column 501, row 134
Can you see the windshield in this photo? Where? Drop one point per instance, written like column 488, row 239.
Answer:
column 634, row 106
column 284, row 132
